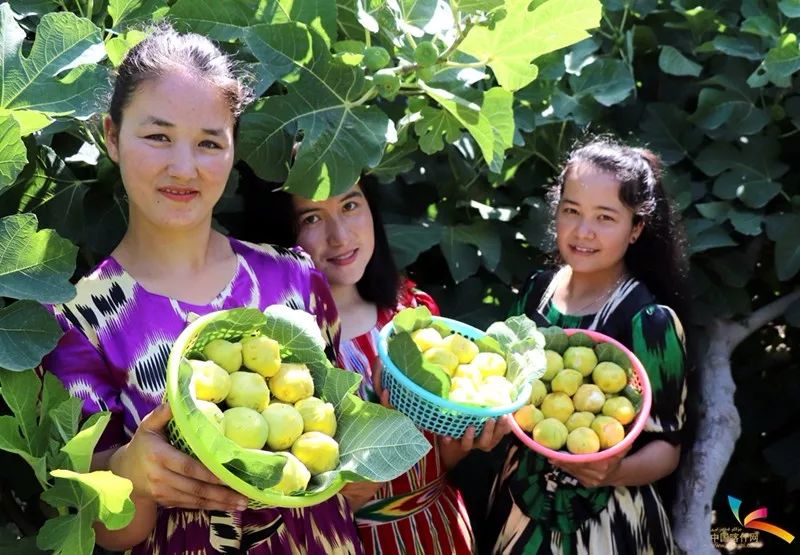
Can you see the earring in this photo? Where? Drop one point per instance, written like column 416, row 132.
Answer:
column 633, row 239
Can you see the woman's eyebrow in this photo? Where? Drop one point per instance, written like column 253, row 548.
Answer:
column 352, row 194
column 599, row 207
column 304, row 211
column 154, row 120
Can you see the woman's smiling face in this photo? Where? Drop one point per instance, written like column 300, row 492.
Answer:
column 175, row 150
column 338, row 234
column 593, row 226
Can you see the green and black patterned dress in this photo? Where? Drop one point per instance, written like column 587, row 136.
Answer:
column 536, row 508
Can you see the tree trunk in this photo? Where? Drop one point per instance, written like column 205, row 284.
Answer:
column 718, row 428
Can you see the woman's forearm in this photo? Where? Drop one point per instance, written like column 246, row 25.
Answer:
column 144, row 517
column 652, row 462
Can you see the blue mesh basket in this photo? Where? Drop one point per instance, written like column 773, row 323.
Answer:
column 430, row 411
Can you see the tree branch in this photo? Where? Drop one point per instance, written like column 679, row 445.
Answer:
column 761, row 317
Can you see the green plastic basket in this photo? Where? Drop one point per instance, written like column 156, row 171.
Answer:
column 187, row 419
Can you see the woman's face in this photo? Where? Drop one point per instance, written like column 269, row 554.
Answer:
column 174, row 149
column 593, row 226
column 338, row 234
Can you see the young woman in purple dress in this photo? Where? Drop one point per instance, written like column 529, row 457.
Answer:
column 171, row 128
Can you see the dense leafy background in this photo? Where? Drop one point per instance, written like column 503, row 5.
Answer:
column 709, row 85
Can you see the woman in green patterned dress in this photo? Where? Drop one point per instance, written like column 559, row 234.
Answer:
column 622, row 274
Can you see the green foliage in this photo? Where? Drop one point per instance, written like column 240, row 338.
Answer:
column 43, row 430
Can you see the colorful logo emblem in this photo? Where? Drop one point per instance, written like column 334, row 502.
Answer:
column 753, row 520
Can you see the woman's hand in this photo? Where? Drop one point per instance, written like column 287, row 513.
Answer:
column 359, row 493
column 377, row 387
column 165, row 475
column 595, row 474
column 453, row 450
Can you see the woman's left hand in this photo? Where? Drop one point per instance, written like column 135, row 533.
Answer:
column 493, row 432
column 595, row 474
column 452, row 450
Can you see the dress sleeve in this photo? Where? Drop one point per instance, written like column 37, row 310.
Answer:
column 658, row 341
column 83, row 370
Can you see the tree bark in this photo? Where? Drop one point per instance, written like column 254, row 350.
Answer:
column 718, row 428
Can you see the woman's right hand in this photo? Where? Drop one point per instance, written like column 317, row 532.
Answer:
column 167, row 476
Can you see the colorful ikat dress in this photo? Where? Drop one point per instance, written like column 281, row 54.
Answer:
column 419, row 512
column 539, row 509
column 113, row 356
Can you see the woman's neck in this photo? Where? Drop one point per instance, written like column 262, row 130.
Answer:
column 357, row 315
column 582, row 285
column 346, row 297
column 146, row 251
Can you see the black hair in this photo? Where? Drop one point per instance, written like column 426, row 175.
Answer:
column 269, row 217
column 164, row 50
column 657, row 258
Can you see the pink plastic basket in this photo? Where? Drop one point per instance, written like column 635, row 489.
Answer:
column 638, row 381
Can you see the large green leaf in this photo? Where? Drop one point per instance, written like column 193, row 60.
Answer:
column 80, row 448
column 471, row 6
column 462, row 259
column 223, row 21
column 672, row 61
column 12, row 441
column 63, row 42
column 377, row 443
column 491, row 122
column 609, row 82
column 668, row 132
column 320, row 15
column 34, row 264
column 280, row 48
column 434, row 126
column 742, row 47
column 297, row 332
column 716, row 108
column 483, row 236
column 13, row 156
column 27, row 333
column 408, row 359
column 19, row 433
column 784, row 230
column 125, row 13
column 790, row 8
column 783, row 61
column 522, row 36
column 409, row 241
column 341, row 137
column 93, row 496
column 33, row 7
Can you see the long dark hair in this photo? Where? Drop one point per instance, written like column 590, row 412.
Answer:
column 657, row 258
column 269, row 218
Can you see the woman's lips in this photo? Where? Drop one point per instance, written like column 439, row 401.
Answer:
column 344, row 259
column 582, row 251
column 177, row 194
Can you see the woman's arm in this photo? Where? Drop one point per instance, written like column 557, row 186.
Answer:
column 652, row 462
column 161, row 475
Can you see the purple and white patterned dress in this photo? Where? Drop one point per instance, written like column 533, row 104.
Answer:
column 113, row 356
